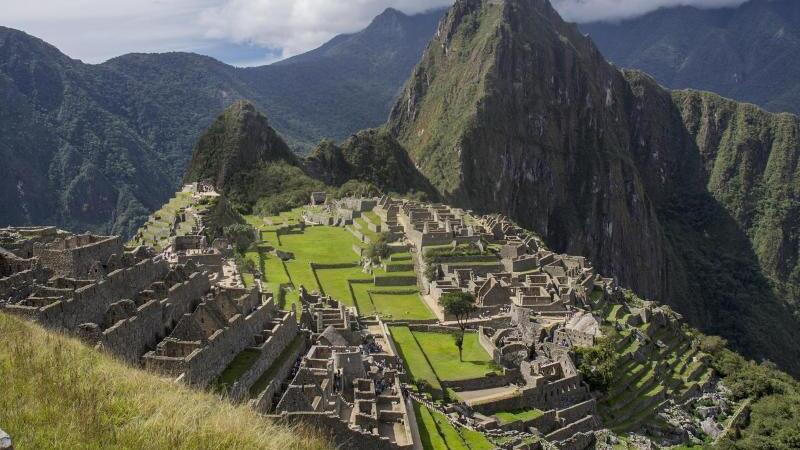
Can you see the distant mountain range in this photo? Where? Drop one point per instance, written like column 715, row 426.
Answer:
column 750, row 53
column 98, row 147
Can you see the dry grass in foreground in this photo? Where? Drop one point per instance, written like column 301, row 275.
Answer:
column 58, row 394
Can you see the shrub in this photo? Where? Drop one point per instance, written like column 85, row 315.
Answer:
column 378, row 249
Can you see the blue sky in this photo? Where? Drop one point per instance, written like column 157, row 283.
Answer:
column 241, row 32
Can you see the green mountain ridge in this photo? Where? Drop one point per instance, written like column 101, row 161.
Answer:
column 99, row 147
column 750, row 52
column 245, row 158
column 513, row 110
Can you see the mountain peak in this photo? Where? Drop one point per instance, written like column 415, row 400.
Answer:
column 239, row 139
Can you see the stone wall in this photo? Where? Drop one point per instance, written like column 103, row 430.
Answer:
column 489, row 381
column 266, row 399
column 74, row 256
column 206, row 363
column 90, row 303
column 338, row 431
column 545, row 396
column 129, row 339
column 283, row 333
column 588, row 423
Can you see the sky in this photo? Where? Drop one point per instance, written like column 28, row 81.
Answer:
column 243, row 32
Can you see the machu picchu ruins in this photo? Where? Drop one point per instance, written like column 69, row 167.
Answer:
column 464, row 227
column 338, row 321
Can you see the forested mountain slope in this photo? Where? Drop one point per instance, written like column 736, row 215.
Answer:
column 610, row 165
column 98, row 147
column 750, row 53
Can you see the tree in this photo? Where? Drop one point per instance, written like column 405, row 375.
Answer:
column 597, row 364
column 240, row 235
column 379, row 249
column 459, row 341
column 460, row 305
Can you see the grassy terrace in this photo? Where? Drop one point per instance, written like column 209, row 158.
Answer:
column 637, row 388
column 325, row 245
column 437, row 433
column 60, row 394
column 360, row 225
column 433, row 357
column 373, row 217
column 413, row 357
column 156, row 232
column 523, row 415
column 266, row 378
column 241, row 364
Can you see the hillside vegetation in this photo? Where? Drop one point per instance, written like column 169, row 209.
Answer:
column 749, row 52
column 685, row 197
column 60, row 394
column 99, row 147
column 243, row 156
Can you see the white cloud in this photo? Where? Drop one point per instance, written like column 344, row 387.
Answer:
column 299, row 25
column 609, row 10
column 241, row 31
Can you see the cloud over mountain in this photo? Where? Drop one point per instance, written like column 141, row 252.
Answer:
column 609, row 10
column 244, row 31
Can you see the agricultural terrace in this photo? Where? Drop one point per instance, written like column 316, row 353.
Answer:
column 671, row 369
column 433, row 357
column 437, row 433
column 324, row 259
column 156, row 231
column 522, row 415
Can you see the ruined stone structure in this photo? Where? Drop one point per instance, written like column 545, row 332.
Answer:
column 356, row 391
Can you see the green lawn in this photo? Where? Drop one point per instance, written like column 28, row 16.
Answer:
column 413, row 357
column 429, row 432
column 522, row 414
column 335, row 282
column 442, row 353
column 401, row 306
column 433, row 356
column 241, row 364
column 437, row 433
column 319, row 244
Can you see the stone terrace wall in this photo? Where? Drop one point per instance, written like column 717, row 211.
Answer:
column 546, row 396
column 207, row 363
column 89, row 303
column 339, row 432
column 266, row 399
column 75, row 256
column 283, row 334
column 485, row 382
column 129, row 339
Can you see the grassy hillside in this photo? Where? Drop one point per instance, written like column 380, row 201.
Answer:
column 59, row 394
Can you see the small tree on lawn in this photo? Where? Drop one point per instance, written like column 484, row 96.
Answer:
column 458, row 336
column 460, row 305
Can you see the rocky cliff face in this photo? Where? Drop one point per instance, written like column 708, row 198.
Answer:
column 512, row 109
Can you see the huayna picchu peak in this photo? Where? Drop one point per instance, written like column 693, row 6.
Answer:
column 536, row 250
